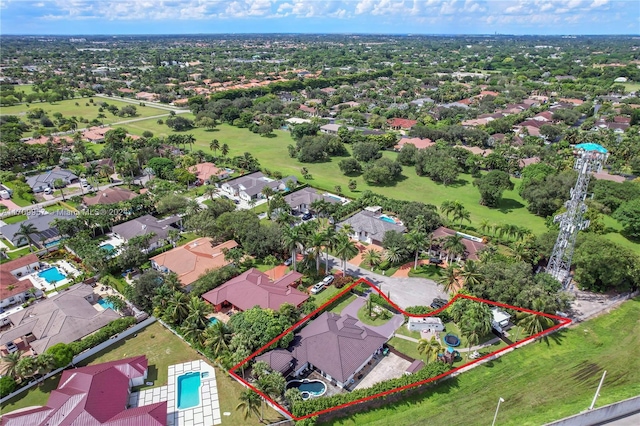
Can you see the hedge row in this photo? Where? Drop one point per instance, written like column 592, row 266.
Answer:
column 303, row 408
column 104, row 334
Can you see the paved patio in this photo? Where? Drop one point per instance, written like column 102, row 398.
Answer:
column 389, row 367
column 204, row 414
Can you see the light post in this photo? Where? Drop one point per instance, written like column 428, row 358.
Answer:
column 500, row 400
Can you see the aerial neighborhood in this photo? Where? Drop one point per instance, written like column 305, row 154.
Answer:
column 246, row 229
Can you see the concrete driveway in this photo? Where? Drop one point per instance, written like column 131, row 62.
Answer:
column 404, row 291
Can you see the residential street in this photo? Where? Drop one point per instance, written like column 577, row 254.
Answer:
column 404, row 292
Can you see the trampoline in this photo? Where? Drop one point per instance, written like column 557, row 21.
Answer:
column 452, row 340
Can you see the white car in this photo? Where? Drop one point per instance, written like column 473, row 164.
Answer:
column 328, row 280
column 317, row 288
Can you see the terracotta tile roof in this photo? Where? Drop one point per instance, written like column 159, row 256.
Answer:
column 43, row 140
column 417, row 142
column 472, row 247
column 95, row 395
column 109, row 196
column 192, row 260
column 204, row 171
column 255, row 288
column 402, row 123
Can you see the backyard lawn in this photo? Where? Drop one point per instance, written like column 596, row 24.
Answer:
column 346, row 299
column 376, row 317
column 68, row 108
column 540, row 382
column 162, row 349
column 15, row 219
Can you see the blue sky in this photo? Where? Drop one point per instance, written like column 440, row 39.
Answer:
column 320, row 16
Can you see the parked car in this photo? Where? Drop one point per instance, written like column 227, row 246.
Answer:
column 317, row 288
column 288, row 262
column 328, row 279
column 307, row 216
column 438, row 303
column 435, row 260
column 48, row 191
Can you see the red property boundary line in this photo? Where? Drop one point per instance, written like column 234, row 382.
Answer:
column 561, row 323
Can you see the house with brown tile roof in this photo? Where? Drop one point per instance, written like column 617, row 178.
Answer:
column 193, row 259
column 401, row 123
column 109, row 196
column 204, row 172
column 339, row 346
column 43, row 140
column 63, row 318
column 95, row 395
column 95, row 134
column 255, row 288
column 417, row 142
column 472, row 244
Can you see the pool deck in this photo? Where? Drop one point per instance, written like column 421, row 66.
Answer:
column 205, row 414
column 65, row 267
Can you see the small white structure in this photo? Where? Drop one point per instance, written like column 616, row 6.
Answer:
column 432, row 324
column 500, row 319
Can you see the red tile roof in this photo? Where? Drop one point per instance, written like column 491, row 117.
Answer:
column 472, row 247
column 255, row 288
column 95, row 395
column 417, row 142
column 402, row 123
column 109, row 196
column 8, row 279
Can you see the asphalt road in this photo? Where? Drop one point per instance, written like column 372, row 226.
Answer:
column 404, row 292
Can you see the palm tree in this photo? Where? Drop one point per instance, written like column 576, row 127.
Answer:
column 250, row 403
column 46, row 363
column 394, row 254
column 471, row 273
column 24, row 233
column 471, row 332
column 330, row 243
column 345, row 249
column 429, row 347
column 415, row 242
column 449, row 279
column 214, row 146
column 316, row 242
column 177, row 307
column 27, row 367
column 10, row 362
column 534, row 323
column 267, row 191
column 217, row 338
column 347, row 229
column 454, row 246
column 462, row 214
column 292, row 240
column 372, row 258
column 198, row 311
column 484, row 225
column 224, row 150
column 190, row 139
column 192, row 332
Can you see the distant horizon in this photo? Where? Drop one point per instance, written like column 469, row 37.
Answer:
column 320, row 34
column 357, row 17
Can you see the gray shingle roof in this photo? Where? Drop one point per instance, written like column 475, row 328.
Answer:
column 145, row 225
column 369, row 222
column 336, row 345
column 49, row 177
column 42, row 222
column 306, row 196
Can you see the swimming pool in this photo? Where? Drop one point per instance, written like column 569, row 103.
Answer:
column 188, row 390
column 106, row 304
column 333, row 197
column 388, row 219
column 308, row 388
column 108, row 247
column 212, row 321
column 52, row 243
column 52, row 274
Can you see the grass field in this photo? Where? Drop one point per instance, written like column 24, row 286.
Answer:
column 162, row 349
column 68, row 108
column 631, row 87
column 540, row 382
column 272, row 154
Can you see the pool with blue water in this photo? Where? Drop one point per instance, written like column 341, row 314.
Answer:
column 189, row 390
column 51, row 275
column 106, row 304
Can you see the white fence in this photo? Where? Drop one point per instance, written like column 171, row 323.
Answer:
column 601, row 415
column 84, row 355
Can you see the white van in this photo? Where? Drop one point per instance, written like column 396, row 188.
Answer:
column 48, row 191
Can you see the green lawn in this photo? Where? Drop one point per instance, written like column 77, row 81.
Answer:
column 540, row 382
column 68, row 108
column 15, row 219
column 343, row 303
column 22, row 202
column 273, row 155
column 162, row 349
column 19, row 253
column 325, row 295
column 407, row 347
column 363, row 315
column 431, row 271
column 630, row 87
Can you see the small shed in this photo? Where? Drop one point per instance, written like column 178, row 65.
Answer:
column 415, row 366
column 432, row 324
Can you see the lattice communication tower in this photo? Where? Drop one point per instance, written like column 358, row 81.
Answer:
column 590, row 158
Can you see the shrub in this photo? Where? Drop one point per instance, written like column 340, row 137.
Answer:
column 104, row 334
column 62, row 354
column 418, row 310
column 302, row 408
column 7, row 385
column 340, row 282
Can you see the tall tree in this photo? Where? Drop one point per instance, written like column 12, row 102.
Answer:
column 24, row 234
column 249, row 405
column 345, row 249
column 416, row 242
